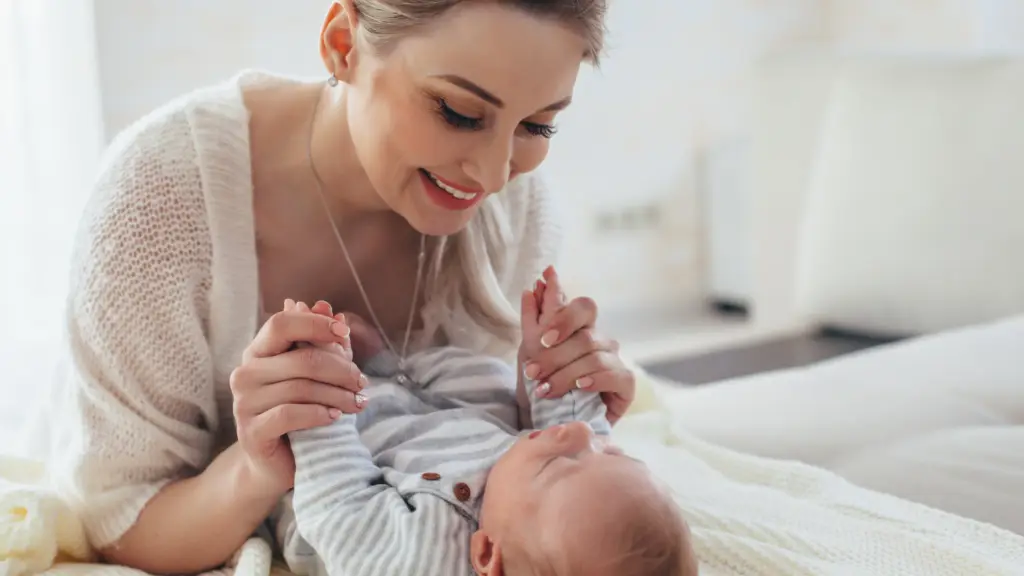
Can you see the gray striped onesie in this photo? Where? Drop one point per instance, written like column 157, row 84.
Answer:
column 397, row 489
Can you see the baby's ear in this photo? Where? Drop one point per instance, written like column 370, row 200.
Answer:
column 485, row 554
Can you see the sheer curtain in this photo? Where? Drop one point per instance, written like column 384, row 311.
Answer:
column 51, row 135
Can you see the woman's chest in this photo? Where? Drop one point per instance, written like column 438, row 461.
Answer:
column 380, row 282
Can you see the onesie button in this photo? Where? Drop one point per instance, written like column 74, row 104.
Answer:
column 462, row 491
column 431, row 476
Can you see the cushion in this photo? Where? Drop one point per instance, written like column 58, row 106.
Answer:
column 915, row 215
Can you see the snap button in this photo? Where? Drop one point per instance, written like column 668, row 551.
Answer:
column 462, row 491
column 431, row 476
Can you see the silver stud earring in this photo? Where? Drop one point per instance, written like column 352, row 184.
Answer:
column 332, row 81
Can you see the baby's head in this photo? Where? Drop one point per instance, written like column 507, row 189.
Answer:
column 561, row 502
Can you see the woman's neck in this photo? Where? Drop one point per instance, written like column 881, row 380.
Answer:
column 285, row 151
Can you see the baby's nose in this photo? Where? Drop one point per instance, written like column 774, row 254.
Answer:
column 578, row 433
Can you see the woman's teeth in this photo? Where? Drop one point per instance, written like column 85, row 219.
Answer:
column 454, row 192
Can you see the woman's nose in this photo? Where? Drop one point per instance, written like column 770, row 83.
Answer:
column 490, row 164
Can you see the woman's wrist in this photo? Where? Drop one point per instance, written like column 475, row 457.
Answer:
column 248, row 482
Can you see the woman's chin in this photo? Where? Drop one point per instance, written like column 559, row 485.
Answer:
column 434, row 221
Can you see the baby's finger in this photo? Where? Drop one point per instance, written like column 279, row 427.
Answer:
column 529, row 312
column 554, row 283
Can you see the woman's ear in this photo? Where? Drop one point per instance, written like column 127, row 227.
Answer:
column 337, row 39
column 485, row 554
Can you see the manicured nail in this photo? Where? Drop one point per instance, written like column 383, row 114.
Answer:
column 363, row 381
column 360, row 400
column 339, row 317
column 301, row 306
column 334, row 413
column 549, row 338
column 532, row 371
column 543, row 390
column 340, row 329
column 584, row 383
column 289, row 303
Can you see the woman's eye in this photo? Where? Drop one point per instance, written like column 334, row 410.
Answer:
column 542, row 130
column 456, row 120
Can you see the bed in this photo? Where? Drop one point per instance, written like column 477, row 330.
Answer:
column 726, row 451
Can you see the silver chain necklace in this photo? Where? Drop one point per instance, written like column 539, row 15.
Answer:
column 403, row 374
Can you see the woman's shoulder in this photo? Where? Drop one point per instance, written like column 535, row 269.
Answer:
column 173, row 135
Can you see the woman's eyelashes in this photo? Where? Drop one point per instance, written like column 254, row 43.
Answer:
column 469, row 123
column 456, row 120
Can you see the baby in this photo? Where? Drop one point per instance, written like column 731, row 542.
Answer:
column 399, row 489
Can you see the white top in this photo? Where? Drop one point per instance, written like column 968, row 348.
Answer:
column 165, row 298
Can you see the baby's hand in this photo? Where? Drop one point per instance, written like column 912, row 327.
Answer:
column 550, row 296
column 366, row 341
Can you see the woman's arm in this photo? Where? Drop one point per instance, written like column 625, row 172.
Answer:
column 197, row 523
column 143, row 408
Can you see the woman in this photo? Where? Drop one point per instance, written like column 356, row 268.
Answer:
column 398, row 190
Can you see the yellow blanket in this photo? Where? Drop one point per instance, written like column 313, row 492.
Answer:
column 750, row 516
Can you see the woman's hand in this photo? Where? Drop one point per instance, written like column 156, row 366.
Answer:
column 283, row 386
column 561, row 350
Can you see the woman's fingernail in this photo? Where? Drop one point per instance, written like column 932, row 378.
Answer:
column 339, row 317
column 363, row 381
column 301, row 306
column 361, row 400
column 340, row 329
column 532, row 371
column 289, row 303
column 549, row 338
column 543, row 390
column 584, row 383
column 334, row 413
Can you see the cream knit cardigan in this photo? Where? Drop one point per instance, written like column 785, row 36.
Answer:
column 164, row 299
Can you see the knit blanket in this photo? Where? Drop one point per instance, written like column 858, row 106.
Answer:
column 749, row 516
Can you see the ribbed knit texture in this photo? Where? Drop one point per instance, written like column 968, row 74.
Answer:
column 164, row 299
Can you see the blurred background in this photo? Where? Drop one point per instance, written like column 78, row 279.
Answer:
column 737, row 173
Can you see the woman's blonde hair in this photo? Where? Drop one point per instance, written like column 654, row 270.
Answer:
column 462, row 272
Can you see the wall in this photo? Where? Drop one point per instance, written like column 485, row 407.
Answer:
column 792, row 96
column 153, row 50
column 671, row 90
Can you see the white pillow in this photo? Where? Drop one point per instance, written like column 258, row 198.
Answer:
column 915, row 216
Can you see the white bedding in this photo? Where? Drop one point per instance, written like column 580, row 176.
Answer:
column 752, row 515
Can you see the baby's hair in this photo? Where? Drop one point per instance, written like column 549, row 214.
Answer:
column 650, row 539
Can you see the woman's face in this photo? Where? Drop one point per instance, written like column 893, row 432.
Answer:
column 452, row 113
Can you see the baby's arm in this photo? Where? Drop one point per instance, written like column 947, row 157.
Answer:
column 355, row 522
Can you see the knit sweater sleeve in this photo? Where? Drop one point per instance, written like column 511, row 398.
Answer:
column 142, row 406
